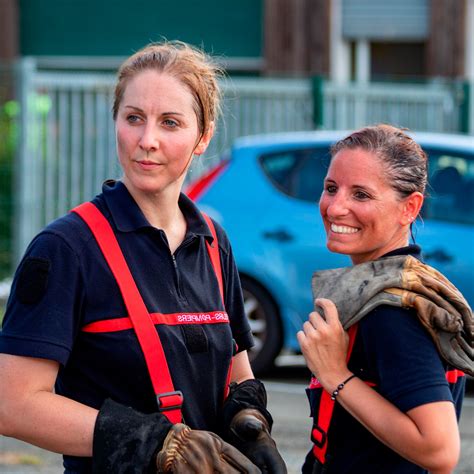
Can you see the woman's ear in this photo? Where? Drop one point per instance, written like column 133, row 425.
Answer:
column 201, row 147
column 411, row 207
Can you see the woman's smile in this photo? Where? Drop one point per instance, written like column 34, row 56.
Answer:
column 344, row 229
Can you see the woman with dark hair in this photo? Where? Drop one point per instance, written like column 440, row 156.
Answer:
column 385, row 395
column 124, row 343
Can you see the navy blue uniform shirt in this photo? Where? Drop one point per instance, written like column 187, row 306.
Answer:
column 64, row 283
column 393, row 350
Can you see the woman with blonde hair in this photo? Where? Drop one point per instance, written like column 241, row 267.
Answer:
column 124, row 343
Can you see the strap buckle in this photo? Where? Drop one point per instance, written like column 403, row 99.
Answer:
column 319, row 441
column 172, row 404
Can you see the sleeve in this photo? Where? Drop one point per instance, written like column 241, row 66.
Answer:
column 407, row 365
column 234, row 302
column 41, row 318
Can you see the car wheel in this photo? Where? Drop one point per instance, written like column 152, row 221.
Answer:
column 265, row 324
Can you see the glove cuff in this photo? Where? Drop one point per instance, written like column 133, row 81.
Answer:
column 126, row 440
column 248, row 394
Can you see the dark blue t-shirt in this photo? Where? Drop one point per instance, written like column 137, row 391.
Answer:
column 64, row 284
column 395, row 352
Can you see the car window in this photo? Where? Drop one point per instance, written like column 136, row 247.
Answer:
column 450, row 193
column 298, row 173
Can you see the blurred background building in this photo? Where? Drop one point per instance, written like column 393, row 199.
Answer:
column 340, row 39
column 292, row 65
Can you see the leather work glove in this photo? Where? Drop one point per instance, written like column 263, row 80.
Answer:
column 246, row 424
column 251, row 435
column 187, row 451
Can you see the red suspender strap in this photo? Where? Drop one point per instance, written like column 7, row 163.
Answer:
column 213, row 250
column 169, row 400
column 453, row 375
column 326, row 407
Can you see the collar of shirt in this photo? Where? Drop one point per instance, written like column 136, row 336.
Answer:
column 128, row 217
column 412, row 249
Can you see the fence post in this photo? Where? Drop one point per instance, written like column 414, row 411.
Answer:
column 318, row 101
column 22, row 175
column 471, row 107
column 466, row 108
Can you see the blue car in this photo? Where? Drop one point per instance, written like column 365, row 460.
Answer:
column 265, row 194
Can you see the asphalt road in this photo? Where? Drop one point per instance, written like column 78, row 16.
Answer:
column 288, row 405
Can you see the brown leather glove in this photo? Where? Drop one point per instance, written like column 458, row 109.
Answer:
column 187, row 451
column 251, row 435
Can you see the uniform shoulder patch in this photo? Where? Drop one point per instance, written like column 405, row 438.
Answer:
column 32, row 280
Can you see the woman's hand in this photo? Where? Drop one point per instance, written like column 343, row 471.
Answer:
column 324, row 344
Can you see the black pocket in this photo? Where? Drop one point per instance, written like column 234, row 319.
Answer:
column 195, row 338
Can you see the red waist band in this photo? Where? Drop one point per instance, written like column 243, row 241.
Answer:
column 121, row 324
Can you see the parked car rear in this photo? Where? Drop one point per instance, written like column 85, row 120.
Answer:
column 265, row 194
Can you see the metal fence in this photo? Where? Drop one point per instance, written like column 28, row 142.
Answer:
column 431, row 107
column 67, row 145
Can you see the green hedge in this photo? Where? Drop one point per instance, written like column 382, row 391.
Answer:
column 8, row 142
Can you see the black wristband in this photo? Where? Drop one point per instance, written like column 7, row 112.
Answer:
column 335, row 393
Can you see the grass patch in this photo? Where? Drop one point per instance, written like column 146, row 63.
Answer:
column 11, row 458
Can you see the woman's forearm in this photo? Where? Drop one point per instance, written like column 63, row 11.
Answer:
column 32, row 412
column 52, row 422
column 427, row 435
column 241, row 369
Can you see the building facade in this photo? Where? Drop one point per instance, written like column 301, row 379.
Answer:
column 343, row 40
column 367, row 40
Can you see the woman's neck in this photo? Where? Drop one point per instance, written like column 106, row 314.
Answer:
column 162, row 211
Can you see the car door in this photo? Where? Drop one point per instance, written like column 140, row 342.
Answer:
column 293, row 228
column 446, row 233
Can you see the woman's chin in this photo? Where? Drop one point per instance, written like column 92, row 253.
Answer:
column 338, row 247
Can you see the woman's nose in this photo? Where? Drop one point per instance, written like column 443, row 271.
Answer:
column 149, row 140
column 337, row 205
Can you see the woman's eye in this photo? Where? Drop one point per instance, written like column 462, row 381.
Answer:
column 170, row 123
column 331, row 189
column 133, row 118
column 360, row 195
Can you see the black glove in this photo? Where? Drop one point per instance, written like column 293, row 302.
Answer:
column 129, row 442
column 187, row 451
column 247, row 426
column 126, row 441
